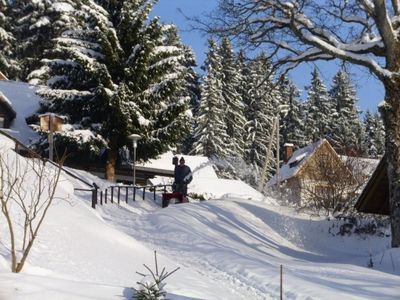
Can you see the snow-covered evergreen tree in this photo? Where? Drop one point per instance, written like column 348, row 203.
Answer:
column 374, row 134
column 8, row 65
column 292, row 127
column 115, row 79
column 347, row 131
column 210, row 134
column 234, row 106
column 191, row 84
column 319, row 110
column 262, row 107
column 35, row 24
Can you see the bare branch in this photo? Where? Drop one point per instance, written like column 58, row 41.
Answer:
column 359, row 32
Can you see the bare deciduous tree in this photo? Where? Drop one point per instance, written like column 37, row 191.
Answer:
column 329, row 186
column 361, row 32
column 27, row 190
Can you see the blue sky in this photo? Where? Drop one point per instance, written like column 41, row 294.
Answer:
column 369, row 90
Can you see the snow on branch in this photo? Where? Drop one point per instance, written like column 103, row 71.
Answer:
column 361, row 32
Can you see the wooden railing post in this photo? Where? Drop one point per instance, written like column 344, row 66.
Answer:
column 105, row 196
column 144, row 192
column 94, row 197
column 112, row 194
column 154, row 193
column 101, row 197
column 119, row 193
column 134, row 193
column 126, row 195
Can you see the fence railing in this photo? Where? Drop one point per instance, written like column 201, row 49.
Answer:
column 118, row 193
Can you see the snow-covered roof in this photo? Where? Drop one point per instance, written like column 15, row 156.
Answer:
column 298, row 159
column 54, row 115
column 365, row 166
column 24, row 102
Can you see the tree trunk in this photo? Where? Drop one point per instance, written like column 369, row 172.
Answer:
column 111, row 163
column 391, row 117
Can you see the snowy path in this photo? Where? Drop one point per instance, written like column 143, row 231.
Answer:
column 241, row 244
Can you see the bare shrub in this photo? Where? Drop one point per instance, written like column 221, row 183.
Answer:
column 330, row 185
column 27, row 189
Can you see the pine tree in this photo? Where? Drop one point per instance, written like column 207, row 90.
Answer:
column 36, row 24
column 234, row 106
column 210, row 134
column 374, row 135
column 292, row 127
column 8, row 65
column 319, row 109
column 118, row 79
column 264, row 99
column 347, row 128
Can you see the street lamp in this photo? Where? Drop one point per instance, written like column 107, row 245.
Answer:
column 134, row 137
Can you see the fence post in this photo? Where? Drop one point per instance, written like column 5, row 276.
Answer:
column 112, row 194
column 281, row 283
column 105, row 196
column 101, row 197
column 144, row 192
column 126, row 195
column 134, row 193
column 94, row 195
column 154, row 193
column 119, row 193
column 94, row 198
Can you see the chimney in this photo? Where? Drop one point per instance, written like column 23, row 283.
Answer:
column 287, row 152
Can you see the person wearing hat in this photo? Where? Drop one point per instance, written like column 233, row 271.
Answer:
column 183, row 176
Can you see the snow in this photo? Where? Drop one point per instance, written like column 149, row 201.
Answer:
column 201, row 166
column 25, row 102
column 62, row 7
column 226, row 248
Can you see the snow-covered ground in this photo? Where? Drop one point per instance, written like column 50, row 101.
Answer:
column 230, row 247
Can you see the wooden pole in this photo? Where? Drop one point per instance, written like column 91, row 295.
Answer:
column 264, row 171
column 277, row 150
column 51, row 139
column 119, row 193
column 94, row 198
column 281, row 283
column 112, row 194
column 126, row 195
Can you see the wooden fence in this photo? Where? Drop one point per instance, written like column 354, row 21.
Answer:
column 118, row 193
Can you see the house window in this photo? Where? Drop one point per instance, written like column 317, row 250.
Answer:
column 2, row 122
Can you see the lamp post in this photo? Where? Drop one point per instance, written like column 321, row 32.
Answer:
column 134, row 137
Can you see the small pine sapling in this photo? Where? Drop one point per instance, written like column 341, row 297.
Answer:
column 152, row 287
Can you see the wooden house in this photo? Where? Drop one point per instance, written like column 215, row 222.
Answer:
column 374, row 198
column 7, row 113
column 51, row 120
column 313, row 171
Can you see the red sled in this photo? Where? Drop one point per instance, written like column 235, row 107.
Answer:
column 173, row 198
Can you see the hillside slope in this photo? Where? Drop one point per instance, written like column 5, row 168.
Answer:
column 229, row 248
